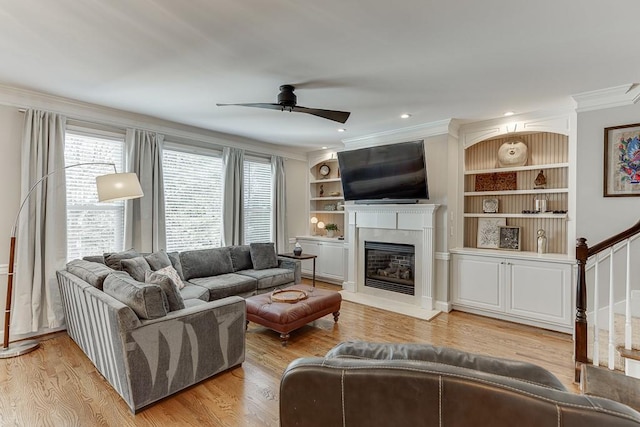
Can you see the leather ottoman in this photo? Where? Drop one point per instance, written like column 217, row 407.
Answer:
column 285, row 317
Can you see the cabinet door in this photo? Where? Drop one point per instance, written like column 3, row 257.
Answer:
column 540, row 291
column 308, row 248
column 331, row 261
column 479, row 282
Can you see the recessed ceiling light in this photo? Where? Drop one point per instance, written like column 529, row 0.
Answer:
column 341, row 130
column 509, row 113
column 324, row 148
column 405, row 115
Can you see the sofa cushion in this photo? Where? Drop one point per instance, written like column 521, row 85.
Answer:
column 271, row 277
column 263, row 255
column 91, row 272
column 191, row 291
column 158, row 259
column 241, row 257
column 136, row 267
column 171, row 272
column 174, row 257
column 206, row 262
column 112, row 259
column 170, row 288
column 225, row 285
column 94, row 258
column 146, row 300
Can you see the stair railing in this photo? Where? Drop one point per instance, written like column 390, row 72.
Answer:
column 584, row 253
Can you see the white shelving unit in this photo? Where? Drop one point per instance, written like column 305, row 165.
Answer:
column 522, row 286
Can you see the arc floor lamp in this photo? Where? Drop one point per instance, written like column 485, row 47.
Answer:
column 111, row 187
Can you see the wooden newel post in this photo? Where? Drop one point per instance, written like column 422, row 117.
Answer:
column 580, row 331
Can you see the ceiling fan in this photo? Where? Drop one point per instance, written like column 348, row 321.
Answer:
column 287, row 101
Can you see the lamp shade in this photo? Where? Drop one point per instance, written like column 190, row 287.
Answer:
column 321, row 225
column 118, row 186
column 314, row 220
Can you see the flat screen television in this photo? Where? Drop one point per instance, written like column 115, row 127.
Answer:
column 394, row 173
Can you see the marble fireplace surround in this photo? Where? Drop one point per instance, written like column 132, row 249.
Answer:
column 412, row 224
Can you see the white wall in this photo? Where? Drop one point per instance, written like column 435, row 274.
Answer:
column 297, row 198
column 10, row 135
column 599, row 217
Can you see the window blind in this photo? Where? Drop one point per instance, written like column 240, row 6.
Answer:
column 257, row 189
column 92, row 228
column 193, row 199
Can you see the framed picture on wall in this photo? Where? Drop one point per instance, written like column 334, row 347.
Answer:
column 509, row 238
column 622, row 161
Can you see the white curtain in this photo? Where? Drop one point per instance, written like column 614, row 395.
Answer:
column 232, row 203
column 41, row 234
column 279, row 214
column 145, row 217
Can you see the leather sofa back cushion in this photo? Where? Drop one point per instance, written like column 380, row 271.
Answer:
column 263, row 255
column 112, row 259
column 206, row 262
column 136, row 267
column 241, row 257
column 91, row 272
column 146, row 300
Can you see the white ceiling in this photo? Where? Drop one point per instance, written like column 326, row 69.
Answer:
column 436, row 59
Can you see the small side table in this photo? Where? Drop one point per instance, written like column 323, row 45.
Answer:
column 302, row 257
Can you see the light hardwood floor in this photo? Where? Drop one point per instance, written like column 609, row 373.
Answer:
column 58, row 386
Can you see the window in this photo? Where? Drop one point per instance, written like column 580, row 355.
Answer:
column 193, row 199
column 258, row 190
column 92, row 228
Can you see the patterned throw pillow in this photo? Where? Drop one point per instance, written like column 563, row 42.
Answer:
column 171, row 272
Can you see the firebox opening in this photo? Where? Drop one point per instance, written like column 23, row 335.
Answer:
column 390, row 266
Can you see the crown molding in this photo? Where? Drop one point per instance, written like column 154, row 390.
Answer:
column 617, row 96
column 23, row 98
column 442, row 127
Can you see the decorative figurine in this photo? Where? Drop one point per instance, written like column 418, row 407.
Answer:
column 321, row 190
column 297, row 249
column 540, row 181
column 542, row 241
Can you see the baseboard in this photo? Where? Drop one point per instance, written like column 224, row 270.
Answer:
column 444, row 306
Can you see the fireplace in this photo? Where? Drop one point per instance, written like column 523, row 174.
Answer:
column 390, row 266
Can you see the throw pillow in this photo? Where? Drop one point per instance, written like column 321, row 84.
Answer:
column 136, row 267
column 175, row 262
column 158, row 260
column 241, row 257
column 94, row 258
column 169, row 286
column 112, row 259
column 263, row 255
column 91, row 272
column 172, row 274
column 146, row 300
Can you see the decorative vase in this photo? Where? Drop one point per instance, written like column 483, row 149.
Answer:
column 330, row 233
column 297, row 249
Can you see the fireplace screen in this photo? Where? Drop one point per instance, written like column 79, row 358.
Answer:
column 390, row 266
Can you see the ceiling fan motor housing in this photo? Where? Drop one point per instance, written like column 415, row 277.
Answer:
column 286, row 97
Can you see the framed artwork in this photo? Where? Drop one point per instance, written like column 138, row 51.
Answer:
column 622, row 161
column 489, row 232
column 509, row 238
column 496, row 181
column 490, row 205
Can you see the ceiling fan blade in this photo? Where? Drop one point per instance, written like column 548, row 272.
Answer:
column 257, row 105
column 336, row 116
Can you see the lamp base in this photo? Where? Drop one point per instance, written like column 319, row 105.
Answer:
column 18, row 349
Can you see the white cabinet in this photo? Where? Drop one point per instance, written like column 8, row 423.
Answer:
column 330, row 259
column 532, row 291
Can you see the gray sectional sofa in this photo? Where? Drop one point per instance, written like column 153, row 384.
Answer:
column 148, row 336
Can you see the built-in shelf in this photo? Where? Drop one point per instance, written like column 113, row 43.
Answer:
column 515, row 215
column 515, row 192
column 327, row 198
column 321, row 181
column 518, row 168
column 328, row 212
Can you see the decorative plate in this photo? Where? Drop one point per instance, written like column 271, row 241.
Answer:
column 490, row 205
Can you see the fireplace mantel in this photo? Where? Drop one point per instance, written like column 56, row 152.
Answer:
column 393, row 223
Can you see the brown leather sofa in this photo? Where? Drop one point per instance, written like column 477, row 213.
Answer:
column 368, row 384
